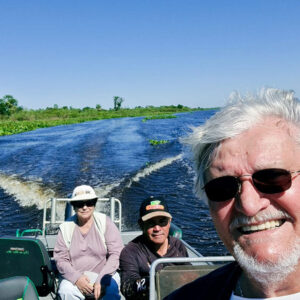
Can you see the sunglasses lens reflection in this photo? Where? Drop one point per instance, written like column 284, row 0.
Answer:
column 222, row 188
column 161, row 222
column 269, row 181
column 80, row 204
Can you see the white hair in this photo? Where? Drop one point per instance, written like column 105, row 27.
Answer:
column 240, row 114
column 269, row 273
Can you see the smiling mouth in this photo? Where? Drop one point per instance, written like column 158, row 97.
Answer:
column 260, row 227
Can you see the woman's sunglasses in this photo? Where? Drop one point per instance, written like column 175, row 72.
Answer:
column 268, row 181
column 80, row 204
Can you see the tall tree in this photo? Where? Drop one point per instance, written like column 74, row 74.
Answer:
column 8, row 105
column 118, row 102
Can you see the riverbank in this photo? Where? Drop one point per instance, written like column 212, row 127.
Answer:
column 28, row 120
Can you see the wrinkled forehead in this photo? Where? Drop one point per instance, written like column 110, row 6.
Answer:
column 268, row 144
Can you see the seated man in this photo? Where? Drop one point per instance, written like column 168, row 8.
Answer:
column 154, row 243
column 87, row 251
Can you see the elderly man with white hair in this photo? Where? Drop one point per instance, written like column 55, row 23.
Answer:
column 87, row 251
column 247, row 159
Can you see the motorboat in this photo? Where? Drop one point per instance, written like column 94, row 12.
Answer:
column 27, row 258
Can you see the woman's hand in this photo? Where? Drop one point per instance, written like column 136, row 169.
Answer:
column 84, row 285
column 97, row 290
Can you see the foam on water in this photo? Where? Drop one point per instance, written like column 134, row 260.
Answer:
column 27, row 193
column 148, row 170
column 103, row 191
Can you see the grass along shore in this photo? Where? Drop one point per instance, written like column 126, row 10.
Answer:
column 27, row 120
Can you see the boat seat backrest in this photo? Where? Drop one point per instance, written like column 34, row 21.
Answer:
column 171, row 278
column 18, row 287
column 26, row 256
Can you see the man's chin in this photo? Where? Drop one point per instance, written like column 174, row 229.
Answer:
column 268, row 272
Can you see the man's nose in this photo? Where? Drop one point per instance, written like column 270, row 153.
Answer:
column 156, row 227
column 249, row 201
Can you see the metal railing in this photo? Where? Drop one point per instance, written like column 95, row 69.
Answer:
column 203, row 259
column 114, row 204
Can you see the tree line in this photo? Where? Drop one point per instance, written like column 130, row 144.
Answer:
column 9, row 105
column 16, row 119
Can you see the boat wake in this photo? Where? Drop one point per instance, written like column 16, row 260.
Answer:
column 32, row 191
column 27, row 193
column 152, row 168
column 104, row 191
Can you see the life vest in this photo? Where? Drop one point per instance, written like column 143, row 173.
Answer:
column 67, row 228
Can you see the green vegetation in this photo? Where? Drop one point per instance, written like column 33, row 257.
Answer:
column 158, row 142
column 159, row 117
column 16, row 119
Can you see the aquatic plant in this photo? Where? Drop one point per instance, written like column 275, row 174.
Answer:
column 159, row 117
column 158, row 142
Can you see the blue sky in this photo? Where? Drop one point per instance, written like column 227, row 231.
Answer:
column 82, row 53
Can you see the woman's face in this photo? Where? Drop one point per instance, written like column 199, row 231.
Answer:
column 84, row 209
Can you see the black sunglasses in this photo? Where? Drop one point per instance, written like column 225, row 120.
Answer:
column 80, row 204
column 269, row 181
column 162, row 222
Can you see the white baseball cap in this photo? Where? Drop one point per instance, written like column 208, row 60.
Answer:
column 83, row 192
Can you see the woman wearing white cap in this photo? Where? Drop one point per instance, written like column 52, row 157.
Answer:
column 87, row 251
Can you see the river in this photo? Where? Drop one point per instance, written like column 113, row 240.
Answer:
column 115, row 157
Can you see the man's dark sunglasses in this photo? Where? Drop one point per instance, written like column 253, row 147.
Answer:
column 162, row 222
column 268, row 181
column 80, row 204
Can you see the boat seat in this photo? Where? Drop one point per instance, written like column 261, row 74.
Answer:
column 171, row 278
column 18, row 287
column 27, row 256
